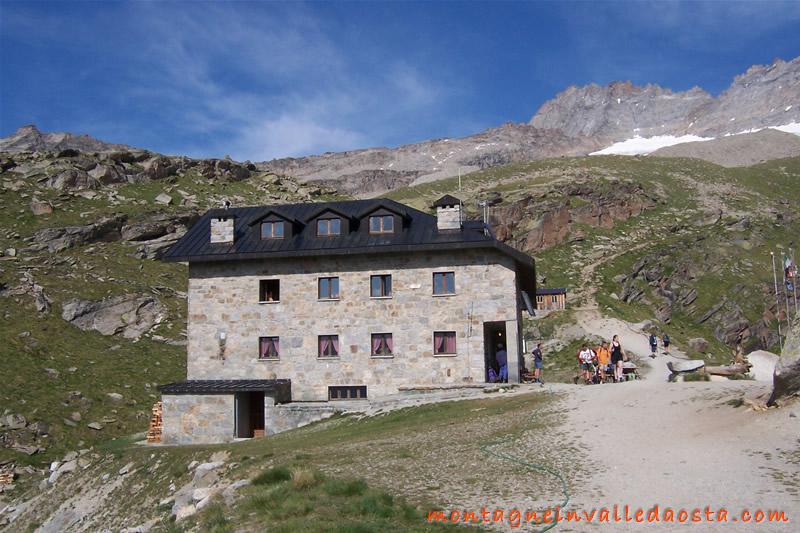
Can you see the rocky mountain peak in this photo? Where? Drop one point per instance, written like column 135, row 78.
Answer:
column 29, row 139
column 761, row 97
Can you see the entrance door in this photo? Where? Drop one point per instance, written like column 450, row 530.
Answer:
column 249, row 414
column 494, row 334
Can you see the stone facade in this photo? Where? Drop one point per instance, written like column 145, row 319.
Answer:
column 197, row 419
column 226, row 320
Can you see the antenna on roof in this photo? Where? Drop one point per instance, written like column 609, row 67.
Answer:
column 226, row 204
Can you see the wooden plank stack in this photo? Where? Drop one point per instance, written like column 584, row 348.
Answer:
column 154, row 433
column 6, row 478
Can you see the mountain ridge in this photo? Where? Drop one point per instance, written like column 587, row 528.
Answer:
column 578, row 121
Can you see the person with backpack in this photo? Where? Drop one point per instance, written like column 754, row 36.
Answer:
column 665, row 340
column 653, row 345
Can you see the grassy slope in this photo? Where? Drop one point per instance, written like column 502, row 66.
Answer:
column 335, row 463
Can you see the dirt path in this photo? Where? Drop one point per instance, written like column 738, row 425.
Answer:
column 680, row 446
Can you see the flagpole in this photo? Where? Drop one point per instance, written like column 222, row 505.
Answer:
column 785, row 290
column 777, row 301
column 794, row 280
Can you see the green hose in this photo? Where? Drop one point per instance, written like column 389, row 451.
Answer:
column 485, row 449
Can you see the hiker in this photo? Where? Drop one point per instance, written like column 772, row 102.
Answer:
column 537, row 364
column 603, row 360
column 586, row 357
column 653, row 345
column 665, row 340
column 617, row 358
column 502, row 360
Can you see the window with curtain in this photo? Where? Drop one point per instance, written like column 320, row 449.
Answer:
column 444, row 342
column 268, row 347
column 328, row 288
column 382, row 344
column 380, row 286
column 328, row 345
column 444, row 283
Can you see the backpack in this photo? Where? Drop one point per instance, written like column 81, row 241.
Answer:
column 666, row 337
column 492, row 374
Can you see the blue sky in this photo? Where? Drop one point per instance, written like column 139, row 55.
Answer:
column 260, row 80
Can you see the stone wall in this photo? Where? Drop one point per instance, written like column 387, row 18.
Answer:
column 448, row 218
column 197, row 419
column 226, row 320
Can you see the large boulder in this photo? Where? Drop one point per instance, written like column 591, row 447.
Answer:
column 132, row 316
column 786, row 379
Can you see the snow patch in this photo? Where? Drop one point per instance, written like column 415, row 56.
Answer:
column 788, row 108
column 789, row 128
column 640, row 145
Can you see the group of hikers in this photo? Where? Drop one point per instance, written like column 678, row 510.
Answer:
column 609, row 361
column 605, row 364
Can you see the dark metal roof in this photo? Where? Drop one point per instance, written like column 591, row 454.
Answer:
column 222, row 386
column 545, row 292
column 417, row 233
column 446, row 201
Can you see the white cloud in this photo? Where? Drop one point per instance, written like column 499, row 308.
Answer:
column 291, row 135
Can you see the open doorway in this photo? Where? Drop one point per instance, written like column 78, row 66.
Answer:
column 494, row 334
column 249, row 414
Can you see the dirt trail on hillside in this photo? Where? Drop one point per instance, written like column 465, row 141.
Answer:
column 680, row 446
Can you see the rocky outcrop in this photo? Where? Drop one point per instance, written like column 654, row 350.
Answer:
column 786, row 380
column 535, row 226
column 156, row 232
column 73, row 170
column 129, row 315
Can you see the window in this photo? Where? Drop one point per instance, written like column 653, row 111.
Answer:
column 328, row 226
column 328, row 345
column 381, row 344
column 444, row 342
column 381, row 224
column 269, row 290
column 328, row 288
column 268, row 347
column 272, row 230
column 444, row 283
column 554, row 299
column 380, row 286
column 356, row 392
column 540, row 299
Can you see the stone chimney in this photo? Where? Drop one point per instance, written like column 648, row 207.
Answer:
column 222, row 229
column 448, row 213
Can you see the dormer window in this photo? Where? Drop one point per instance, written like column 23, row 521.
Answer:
column 381, row 224
column 272, row 230
column 327, row 227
